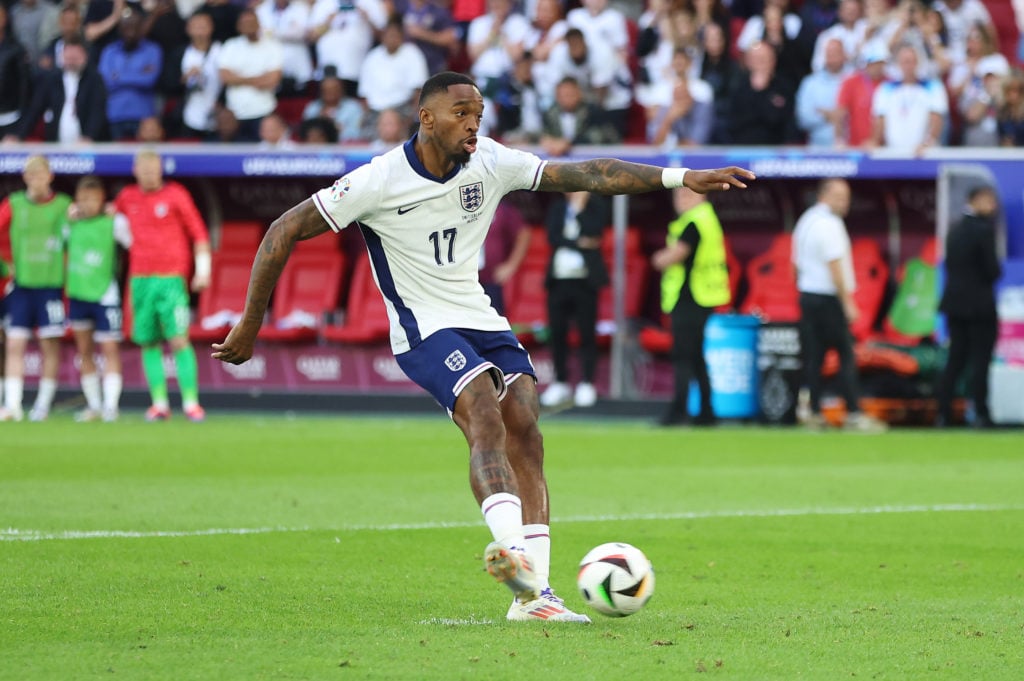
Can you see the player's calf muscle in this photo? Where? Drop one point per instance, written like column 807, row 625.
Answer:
column 490, row 473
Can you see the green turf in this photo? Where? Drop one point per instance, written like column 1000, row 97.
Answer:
column 779, row 554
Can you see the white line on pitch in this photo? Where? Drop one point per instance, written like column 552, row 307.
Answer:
column 14, row 534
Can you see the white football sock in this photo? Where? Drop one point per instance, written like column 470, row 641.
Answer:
column 91, row 390
column 503, row 513
column 538, row 545
column 14, row 386
column 111, row 391
column 44, row 398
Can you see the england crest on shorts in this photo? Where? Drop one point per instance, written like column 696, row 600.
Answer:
column 472, row 196
column 455, row 361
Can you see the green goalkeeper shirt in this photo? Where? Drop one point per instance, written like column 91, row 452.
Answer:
column 37, row 240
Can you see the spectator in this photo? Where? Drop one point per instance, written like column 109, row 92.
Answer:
column 815, row 17
column 576, row 274
column 345, row 113
column 849, row 30
column 71, row 102
column 694, row 281
column 505, row 248
column 854, row 120
column 600, row 73
column 69, row 25
column 754, row 30
column 817, row 109
column 911, row 25
column 225, row 15
column 686, row 120
column 547, row 29
column 34, row 219
column 825, row 280
column 101, row 20
column 494, row 43
column 980, row 46
column 518, row 103
column 1011, row 112
column 343, row 31
column 718, row 70
column 972, row 269
column 655, row 46
column 572, row 120
column 250, row 68
column 34, row 23
column 430, row 26
column 909, row 114
column 226, row 128
column 286, row 21
column 979, row 104
column 318, row 131
column 130, row 68
column 392, row 73
column 275, row 134
column 791, row 58
column 200, row 76
column 760, row 103
column 708, row 12
column 602, row 25
column 960, row 16
column 392, row 130
column 151, row 131
column 163, row 25
column 15, row 79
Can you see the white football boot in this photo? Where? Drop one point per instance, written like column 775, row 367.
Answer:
column 513, row 568
column 545, row 608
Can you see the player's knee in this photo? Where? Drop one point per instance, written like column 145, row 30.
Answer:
column 485, row 430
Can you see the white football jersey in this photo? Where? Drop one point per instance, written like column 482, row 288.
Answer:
column 424, row 233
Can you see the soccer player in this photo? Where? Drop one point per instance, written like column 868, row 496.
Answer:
column 167, row 234
column 35, row 218
column 424, row 209
column 94, row 297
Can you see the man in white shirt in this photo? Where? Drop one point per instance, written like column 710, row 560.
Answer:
column 424, row 210
column 287, row 21
column 824, row 278
column 250, row 68
column 849, row 30
column 200, row 74
column 602, row 25
column 392, row 72
column 343, row 31
column 909, row 114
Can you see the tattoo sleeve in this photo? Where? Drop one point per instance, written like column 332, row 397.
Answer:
column 299, row 223
column 601, row 175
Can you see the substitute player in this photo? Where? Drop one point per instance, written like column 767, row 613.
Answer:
column 94, row 297
column 424, row 209
column 35, row 218
column 167, row 234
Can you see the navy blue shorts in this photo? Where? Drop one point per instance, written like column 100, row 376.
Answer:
column 104, row 320
column 448, row 360
column 41, row 309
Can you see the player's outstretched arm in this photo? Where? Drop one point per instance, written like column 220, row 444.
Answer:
column 613, row 176
column 301, row 222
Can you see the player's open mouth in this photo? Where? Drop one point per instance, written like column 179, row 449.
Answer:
column 470, row 145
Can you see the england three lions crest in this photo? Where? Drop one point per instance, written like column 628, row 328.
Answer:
column 472, row 196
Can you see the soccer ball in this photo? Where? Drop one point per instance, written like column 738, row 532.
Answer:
column 615, row 579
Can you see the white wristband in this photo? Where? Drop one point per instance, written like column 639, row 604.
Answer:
column 673, row 177
column 203, row 264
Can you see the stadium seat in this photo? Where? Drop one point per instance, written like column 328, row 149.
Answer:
column 872, row 276
column 221, row 304
column 771, row 280
column 240, row 236
column 366, row 316
column 307, row 292
column 637, row 270
column 1005, row 20
column 526, row 298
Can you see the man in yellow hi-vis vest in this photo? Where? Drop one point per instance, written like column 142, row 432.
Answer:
column 694, row 281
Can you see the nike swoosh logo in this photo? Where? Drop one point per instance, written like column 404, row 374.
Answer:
column 405, row 209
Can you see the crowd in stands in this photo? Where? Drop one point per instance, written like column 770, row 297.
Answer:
column 826, row 73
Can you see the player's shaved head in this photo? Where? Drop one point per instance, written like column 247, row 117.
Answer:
column 439, row 84
column 37, row 163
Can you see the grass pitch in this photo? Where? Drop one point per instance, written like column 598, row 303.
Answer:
column 254, row 547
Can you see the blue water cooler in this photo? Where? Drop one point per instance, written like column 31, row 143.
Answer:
column 730, row 348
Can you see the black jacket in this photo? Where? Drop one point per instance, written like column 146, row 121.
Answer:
column 48, row 102
column 14, row 75
column 593, row 219
column 972, row 269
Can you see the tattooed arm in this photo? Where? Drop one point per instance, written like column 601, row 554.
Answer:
column 612, row 176
column 299, row 223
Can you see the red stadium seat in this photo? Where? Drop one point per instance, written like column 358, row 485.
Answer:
column 240, row 236
column 772, row 293
column 872, row 275
column 366, row 316
column 306, row 293
column 220, row 305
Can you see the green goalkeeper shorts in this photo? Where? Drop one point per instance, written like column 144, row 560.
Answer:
column 159, row 309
